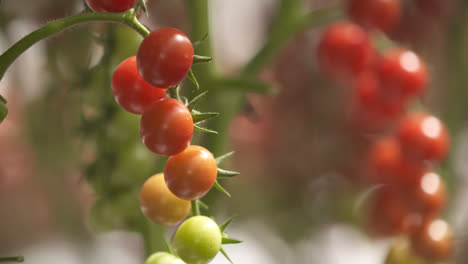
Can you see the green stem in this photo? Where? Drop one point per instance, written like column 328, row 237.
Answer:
column 195, row 207
column 9, row 56
column 288, row 23
column 12, row 259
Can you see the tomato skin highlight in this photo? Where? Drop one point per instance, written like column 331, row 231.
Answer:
column 160, row 205
column 434, row 240
column 166, row 127
column 165, row 57
column 110, row 6
column 428, row 195
column 423, row 137
column 381, row 14
column 345, row 50
column 197, row 240
column 163, row 258
column 402, row 74
column 130, row 90
column 191, row 173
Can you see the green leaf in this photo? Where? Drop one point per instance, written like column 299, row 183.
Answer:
column 192, row 77
column 201, row 59
column 200, row 117
column 228, row 240
column 226, row 174
column 206, row 130
column 226, row 223
column 221, row 189
column 3, row 100
column 225, row 255
column 223, row 157
column 198, row 42
column 191, row 105
column 3, row 109
column 142, row 5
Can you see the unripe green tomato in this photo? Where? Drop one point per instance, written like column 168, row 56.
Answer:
column 163, row 258
column 197, row 240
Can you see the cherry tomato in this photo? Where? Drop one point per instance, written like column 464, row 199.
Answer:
column 131, row 91
column 163, row 258
column 345, row 49
column 166, row 127
column 423, row 137
column 191, row 173
column 165, row 57
column 111, row 6
column 387, row 164
column 197, row 240
column 433, row 240
column 389, row 215
column 160, row 205
column 428, row 195
column 402, row 74
column 381, row 14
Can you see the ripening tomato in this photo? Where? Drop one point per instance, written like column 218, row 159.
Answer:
column 381, row 14
column 402, row 74
column 159, row 204
column 191, row 173
column 345, row 49
column 383, row 158
column 197, row 240
column 131, row 91
column 433, row 240
column 423, row 137
column 166, row 127
column 165, row 57
column 111, row 6
column 428, row 195
column 163, row 258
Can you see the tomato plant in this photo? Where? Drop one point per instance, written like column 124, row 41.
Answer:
column 131, row 91
column 191, row 173
column 165, row 57
column 113, row 6
column 159, row 204
column 166, row 127
column 197, row 240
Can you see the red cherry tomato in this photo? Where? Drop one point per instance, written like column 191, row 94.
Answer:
column 433, row 240
column 345, row 49
column 166, row 127
column 389, row 215
column 423, row 137
column 160, row 205
column 165, row 57
column 111, row 6
column 131, row 91
column 428, row 195
column 402, row 74
column 372, row 103
column 191, row 173
column 381, row 14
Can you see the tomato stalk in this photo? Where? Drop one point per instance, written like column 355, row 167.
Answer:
column 196, row 207
column 9, row 56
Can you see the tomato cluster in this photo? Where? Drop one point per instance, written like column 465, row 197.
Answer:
column 406, row 146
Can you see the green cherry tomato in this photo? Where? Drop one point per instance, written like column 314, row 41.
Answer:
column 197, row 240
column 163, row 258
